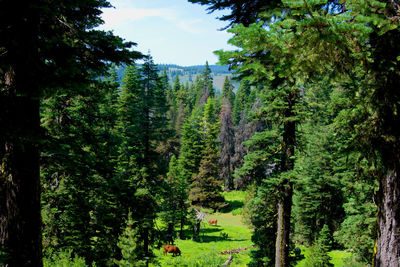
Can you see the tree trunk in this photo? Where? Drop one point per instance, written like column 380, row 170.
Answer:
column 20, row 217
column 286, row 186
column 388, row 243
column 146, row 245
column 283, row 226
column 181, row 230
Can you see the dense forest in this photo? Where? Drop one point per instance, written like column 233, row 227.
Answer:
column 99, row 170
column 188, row 74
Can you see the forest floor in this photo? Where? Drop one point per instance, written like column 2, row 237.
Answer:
column 230, row 233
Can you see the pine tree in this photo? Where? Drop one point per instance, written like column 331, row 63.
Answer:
column 227, row 90
column 204, row 86
column 191, row 147
column 246, row 128
column 318, row 197
column 80, row 210
column 241, row 102
column 46, row 47
column 319, row 251
column 242, row 11
column 143, row 125
column 226, row 140
column 175, row 204
column 206, row 187
column 281, row 112
column 131, row 246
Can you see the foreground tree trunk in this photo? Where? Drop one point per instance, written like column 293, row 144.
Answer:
column 286, row 186
column 388, row 243
column 20, row 227
column 283, row 226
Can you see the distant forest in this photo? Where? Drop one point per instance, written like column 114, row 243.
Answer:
column 187, row 74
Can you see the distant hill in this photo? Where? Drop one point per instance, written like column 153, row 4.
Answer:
column 187, row 74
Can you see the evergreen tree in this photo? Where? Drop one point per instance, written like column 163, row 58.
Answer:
column 246, row 128
column 206, row 188
column 318, row 198
column 46, row 46
column 80, row 210
column 175, row 204
column 242, row 11
column 131, row 246
column 191, row 146
column 143, row 124
column 276, row 144
column 226, row 140
column 227, row 90
column 261, row 211
column 204, row 86
column 319, row 251
column 241, row 102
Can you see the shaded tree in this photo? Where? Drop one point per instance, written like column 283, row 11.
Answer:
column 206, row 187
column 44, row 48
column 226, row 140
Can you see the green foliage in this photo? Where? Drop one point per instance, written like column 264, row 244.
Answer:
column 241, row 101
column 318, row 254
column 358, row 230
column 191, row 147
column 80, row 210
column 204, row 86
column 226, row 140
column 64, row 258
column 227, row 90
column 261, row 212
column 353, row 262
column 131, row 246
column 204, row 259
column 206, row 187
column 175, row 204
column 318, row 198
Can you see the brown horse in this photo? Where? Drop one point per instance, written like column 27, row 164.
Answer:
column 171, row 249
column 213, row 221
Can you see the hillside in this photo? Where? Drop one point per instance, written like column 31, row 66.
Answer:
column 187, row 74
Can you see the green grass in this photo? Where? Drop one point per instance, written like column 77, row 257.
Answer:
column 337, row 257
column 230, row 233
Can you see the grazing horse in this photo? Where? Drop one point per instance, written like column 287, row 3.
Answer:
column 171, row 249
column 213, row 221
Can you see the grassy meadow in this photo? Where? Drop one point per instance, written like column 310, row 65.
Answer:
column 230, row 233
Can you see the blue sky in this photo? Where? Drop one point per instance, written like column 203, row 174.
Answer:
column 175, row 31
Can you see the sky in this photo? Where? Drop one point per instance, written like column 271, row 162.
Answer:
column 174, row 31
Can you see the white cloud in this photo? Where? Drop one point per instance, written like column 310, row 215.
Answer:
column 115, row 17
column 190, row 25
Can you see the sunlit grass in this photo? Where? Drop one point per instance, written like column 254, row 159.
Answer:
column 337, row 257
column 230, row 233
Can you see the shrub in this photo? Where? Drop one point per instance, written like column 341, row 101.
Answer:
column 64, row 259
column 210, row 259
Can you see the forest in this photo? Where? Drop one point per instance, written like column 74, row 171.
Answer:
column 300, row 160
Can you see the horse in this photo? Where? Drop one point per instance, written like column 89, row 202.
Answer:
column 171, row 249
column 213, row 221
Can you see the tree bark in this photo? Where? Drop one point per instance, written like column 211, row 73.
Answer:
column 388, row 243
column 286, row 186
column 283, row 226
column 20, row 217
